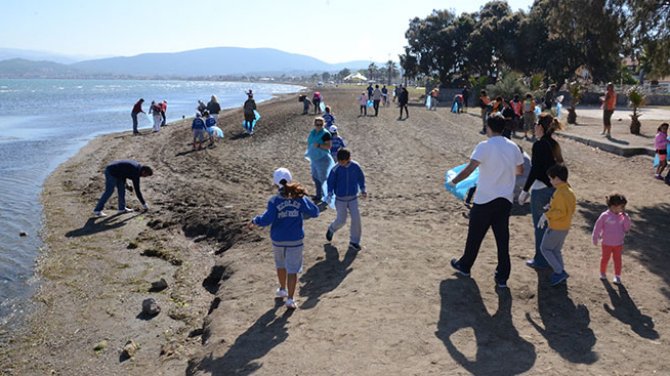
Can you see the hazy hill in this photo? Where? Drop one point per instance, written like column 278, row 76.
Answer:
column 214, row 61
column 16, row 53
column 22, row 68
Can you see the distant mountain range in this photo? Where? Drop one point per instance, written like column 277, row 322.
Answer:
column 216, row 61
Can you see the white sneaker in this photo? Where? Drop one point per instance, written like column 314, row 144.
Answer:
column 281, row 293
column 290, row 304
column 99, row 213
column 616, row 280
column 126, row 210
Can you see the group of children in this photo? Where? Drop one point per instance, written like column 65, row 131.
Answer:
column 287, row 209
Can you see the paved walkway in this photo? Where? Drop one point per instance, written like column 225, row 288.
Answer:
column 622, row 142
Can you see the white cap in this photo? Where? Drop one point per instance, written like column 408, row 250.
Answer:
column 333, row 129
column 280, row 174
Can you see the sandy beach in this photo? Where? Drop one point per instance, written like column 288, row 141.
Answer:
column 394, row 308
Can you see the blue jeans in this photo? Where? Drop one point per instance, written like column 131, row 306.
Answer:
column 110, row 183
column 134, row 116
column 539, row 198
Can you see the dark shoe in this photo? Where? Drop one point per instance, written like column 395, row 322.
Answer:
column 329, row 235
column 501, row 285
column 556, row 279
column 355, row 246
column 457, row 267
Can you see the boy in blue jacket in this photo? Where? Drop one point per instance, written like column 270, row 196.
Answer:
column 345, row 181
column 284, row 215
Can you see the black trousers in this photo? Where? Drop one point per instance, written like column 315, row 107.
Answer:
column 494, row 214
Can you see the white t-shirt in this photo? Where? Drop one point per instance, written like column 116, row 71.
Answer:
column 498, row 158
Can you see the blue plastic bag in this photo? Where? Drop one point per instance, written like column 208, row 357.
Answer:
column 461, row 189
column 428, row 100
column 322, row 106
column 370, row 103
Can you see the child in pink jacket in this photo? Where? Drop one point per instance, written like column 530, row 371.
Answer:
column 611, row 227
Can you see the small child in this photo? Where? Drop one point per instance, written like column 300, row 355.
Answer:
column 329, row 118
column 345, row 181
column 210, row 122
column 363, row 102
column 336, row 142
column 199, row 131
column 284, row 215
column 661, row 145
column 561, row 208
column 611, row 227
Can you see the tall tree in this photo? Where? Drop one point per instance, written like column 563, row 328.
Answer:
column 373, row 71
column 391, row 71
column 409, row 64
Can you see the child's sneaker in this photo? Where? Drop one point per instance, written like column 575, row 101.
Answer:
column 659, row 177
column 125, row 210
column 603, row 276
column 329, row 235
column 457, row 267
column 556, row 278
column 616, row 280
column 99, row 213
column 290, row 304
column 281, row 293
column 355, row 246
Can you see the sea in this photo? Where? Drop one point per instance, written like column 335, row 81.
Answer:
column 43, row 122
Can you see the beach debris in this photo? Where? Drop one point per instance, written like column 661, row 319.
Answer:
column 100, row 346
column 159, row 285
column 150, row 307
column 23, row 233
column 132, row 245
column 129, row 349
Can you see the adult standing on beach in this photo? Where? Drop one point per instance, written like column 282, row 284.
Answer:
column 318, row 151
column 249, row 114
column 385, row 96
column 609, row 104
column 466, row 97
column 403, row 99
column 155, row 111
column 376, row 99
column 213, row 107
column 163, row 112
column 316, row 100
column 137, row 108
column 484, row 102
column 499, row 161
column 546, row 153
column 550, row 97
column 116, row 174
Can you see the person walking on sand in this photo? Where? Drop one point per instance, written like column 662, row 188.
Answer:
column 376, row 99
column 163, row 113
column 137, row 109
column 249, row 114
column 284, row 215
column 611, row 227
column 318, row 152
column 116, row 174
column 484, row 102
column 385, row 96
column 214, row 108
column 558, row 220
column 529, row 116
column 336, row 142
column 609, row 105
column 345, row 181
column 316, row 100
column 155, row 110
column 403, row 99
column 199, row 129
column 363, row 102
column 661, row 146
column 466, row 97
column 546, row 153
column 499, row 161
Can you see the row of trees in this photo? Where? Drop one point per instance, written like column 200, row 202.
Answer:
column 556, row 38
column 386, row 73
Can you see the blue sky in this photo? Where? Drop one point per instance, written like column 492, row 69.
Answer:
column 331, row 30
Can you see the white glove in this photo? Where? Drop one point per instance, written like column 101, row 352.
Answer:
column 542, row 222
column 523, row 197
column 145, row 207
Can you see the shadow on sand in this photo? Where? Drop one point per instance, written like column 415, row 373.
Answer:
column 625, row 310
column 96, row 225
column 566, row 325
column 499, row 348
column 266, row 333
column 326, row 275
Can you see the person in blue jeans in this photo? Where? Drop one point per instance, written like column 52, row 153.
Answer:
column 546, row 153
column 116, row 174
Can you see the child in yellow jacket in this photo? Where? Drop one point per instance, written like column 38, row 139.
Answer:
column 561, row 209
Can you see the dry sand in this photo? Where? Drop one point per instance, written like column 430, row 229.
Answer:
column 394, row 308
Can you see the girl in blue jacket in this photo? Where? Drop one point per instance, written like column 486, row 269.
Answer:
column 284, row 215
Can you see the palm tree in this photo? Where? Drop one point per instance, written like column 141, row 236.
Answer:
column 391, row 71
column 636, row 100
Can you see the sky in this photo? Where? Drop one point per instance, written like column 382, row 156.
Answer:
column 334, row 31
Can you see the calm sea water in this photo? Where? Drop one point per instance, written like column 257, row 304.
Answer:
column 45, row 122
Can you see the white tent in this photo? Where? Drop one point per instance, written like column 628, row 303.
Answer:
column 355, row 77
